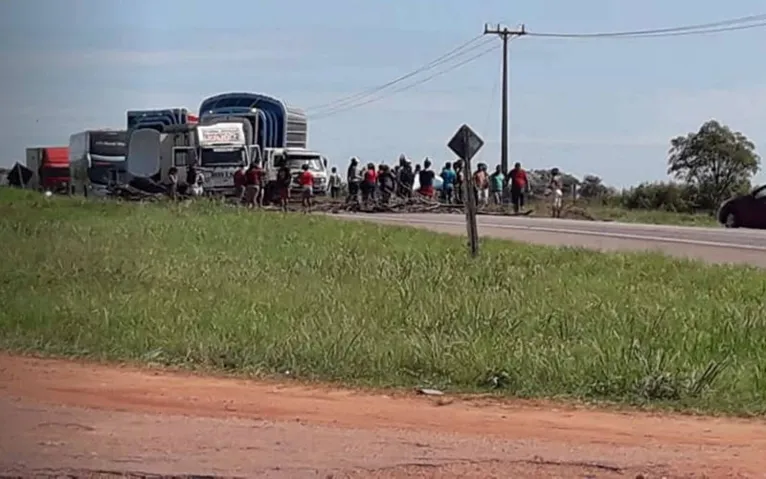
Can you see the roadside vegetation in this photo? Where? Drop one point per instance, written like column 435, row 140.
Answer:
column 212, row 287
column 707, row 167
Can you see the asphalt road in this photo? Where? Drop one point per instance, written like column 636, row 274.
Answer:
column 715, row 245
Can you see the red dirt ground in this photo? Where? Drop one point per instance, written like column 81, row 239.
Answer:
column 68, row 419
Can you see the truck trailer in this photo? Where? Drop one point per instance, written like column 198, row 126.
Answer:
column 96, row 159
column 50, row 168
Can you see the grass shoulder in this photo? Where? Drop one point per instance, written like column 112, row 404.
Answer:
column 205, row 286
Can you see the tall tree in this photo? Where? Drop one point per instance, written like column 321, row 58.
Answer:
column 719, row 162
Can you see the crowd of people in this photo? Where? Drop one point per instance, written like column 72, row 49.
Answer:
column 370, row 183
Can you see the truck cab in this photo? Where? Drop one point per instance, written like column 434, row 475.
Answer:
column 294, row 159
column 50, row 168
column 221, row 149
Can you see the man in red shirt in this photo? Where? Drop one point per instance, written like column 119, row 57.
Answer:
column 517, row 177
column 369, row 183
column 253, row 185
column 239, row 183
column 306, row 180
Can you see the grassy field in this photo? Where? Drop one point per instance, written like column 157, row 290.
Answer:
column 206, row 286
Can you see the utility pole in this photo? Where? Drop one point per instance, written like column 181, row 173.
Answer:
column 505, row 34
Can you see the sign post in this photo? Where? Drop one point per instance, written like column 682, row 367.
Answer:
column 465, row 144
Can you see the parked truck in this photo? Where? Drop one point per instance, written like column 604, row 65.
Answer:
column 174, row 127
column 96, row 159
column 50, row 168
column 280, row 131
column 168, row 139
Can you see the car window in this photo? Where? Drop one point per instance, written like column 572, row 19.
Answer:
column 760, row 193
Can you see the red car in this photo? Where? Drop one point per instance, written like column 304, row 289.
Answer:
column 745, row 211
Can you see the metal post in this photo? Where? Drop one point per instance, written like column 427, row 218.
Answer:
column 505, row 34
column 470, row 205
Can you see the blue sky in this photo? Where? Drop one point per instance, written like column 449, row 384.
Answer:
column 606, row 107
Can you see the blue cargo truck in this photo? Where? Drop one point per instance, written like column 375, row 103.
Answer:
column 280, row 131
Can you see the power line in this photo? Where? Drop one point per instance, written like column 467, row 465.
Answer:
column 703, row 32
column 750, row 21
column 450, row 55
column 342, row 109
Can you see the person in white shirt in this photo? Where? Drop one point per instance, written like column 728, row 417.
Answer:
column 334, row 183
column 556, row 187
column 198, row 189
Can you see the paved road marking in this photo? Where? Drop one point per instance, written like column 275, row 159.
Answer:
column 544, row 229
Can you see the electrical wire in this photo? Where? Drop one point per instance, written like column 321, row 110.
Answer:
column 750, row 21
column 354, row 106
column 456, row 52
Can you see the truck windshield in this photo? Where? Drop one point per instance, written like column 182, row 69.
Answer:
column 108, row 143
column 222, row 156
column 297, row 162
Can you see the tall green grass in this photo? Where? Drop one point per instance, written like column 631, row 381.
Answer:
column 264, row 293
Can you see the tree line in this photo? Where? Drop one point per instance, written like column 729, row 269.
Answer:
column 707, row 167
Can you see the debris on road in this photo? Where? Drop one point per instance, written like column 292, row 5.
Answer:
column 430, row 392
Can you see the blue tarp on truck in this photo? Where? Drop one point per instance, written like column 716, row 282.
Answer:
column 276, row 125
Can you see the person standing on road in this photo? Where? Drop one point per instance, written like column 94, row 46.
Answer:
column 369, row 183
column 517, row 178
column 354, row 180
column 496, row 182
column 405, row 178
column 173, row 183
column 191, row 178
column 334, row 183
column 556, row 187
column 481, row 180
column 284, row 181
column 459, row 182
column 251, row 188
column 426, row 177
column 198, row 187
column 448, row 183
column 386, row 184
column 306, row 181
column 239, row 184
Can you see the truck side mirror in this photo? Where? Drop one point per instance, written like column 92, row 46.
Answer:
column 324, row 162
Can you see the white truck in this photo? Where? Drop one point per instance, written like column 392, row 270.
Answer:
column 216, row 150
column 294, row 159
column 222, row 148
